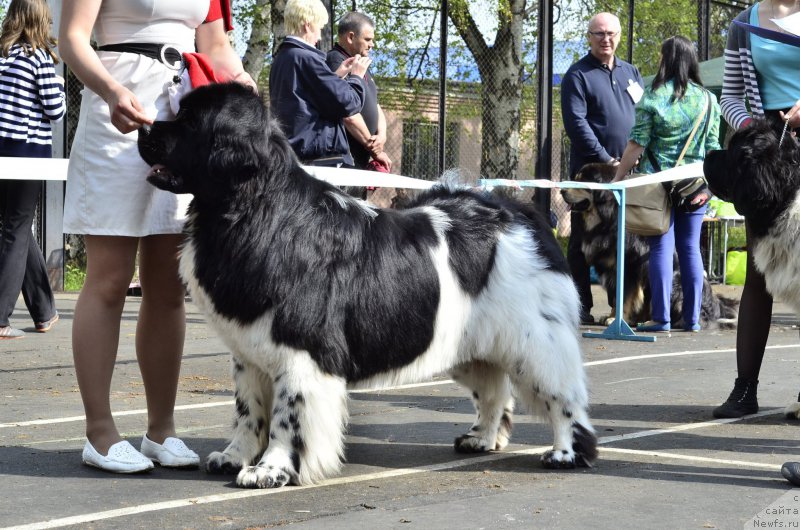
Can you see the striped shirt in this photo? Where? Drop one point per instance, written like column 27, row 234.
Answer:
column 31, row 96
column 740, row 82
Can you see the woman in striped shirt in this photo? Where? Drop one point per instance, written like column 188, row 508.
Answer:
column 760, row 80
column 31, row 96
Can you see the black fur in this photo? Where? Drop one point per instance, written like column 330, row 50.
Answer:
column 757, row 175
column 317, row 313
column 313, row 290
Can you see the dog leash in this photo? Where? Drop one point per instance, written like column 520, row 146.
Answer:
column 785, row 128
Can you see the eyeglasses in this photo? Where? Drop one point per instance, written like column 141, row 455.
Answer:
column 602, row 34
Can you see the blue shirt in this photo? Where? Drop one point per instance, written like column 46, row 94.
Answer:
column 778, row 90
column 597, row 110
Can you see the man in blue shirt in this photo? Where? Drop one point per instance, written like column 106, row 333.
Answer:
column 598, row 96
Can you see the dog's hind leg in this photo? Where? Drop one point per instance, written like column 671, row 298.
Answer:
column 306, row 439
column 553, row 385
column 491, row 395
column 253, row 403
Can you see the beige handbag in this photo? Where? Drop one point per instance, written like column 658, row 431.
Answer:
column 648, row 208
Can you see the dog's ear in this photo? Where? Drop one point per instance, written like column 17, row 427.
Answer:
column 233, row 156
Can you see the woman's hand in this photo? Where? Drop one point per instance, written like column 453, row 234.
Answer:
column 792, row 116
column 700, row 199
column 127, row 114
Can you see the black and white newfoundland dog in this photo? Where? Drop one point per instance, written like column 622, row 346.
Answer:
column 761, row 177
column 599, row 211
column 315, row 292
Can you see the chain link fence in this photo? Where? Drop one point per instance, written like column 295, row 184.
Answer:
column 491, row 90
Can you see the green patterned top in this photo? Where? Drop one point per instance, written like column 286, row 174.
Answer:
column 664, row 126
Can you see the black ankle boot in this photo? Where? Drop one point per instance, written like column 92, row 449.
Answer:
column 743, row 400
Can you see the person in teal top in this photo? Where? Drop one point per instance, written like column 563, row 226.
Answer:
column 665, row 117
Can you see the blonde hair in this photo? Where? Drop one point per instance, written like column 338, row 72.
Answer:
column 298, row 12
column 28, row 23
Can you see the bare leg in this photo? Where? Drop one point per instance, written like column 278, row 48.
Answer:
column 160, row 331
column 95, row 331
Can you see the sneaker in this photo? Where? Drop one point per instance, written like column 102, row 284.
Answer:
column 122, row 458
column 172, row 453
column 654, row 326
column 742, row 400
column 44, row 327
column 694, row 328
column 7, row 332
column 791, row 472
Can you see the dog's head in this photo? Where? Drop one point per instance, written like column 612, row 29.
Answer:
column 583, row 199
column 760, row 177
column 222, row 136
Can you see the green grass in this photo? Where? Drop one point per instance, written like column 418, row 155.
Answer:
column 73, row 278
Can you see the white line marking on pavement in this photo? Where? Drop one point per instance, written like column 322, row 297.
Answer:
column 444, row 466
column 677, row 354
column 115, row 414
column 673, row 456
column 386, row 389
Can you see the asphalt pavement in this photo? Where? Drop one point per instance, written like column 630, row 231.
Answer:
column 664, row 461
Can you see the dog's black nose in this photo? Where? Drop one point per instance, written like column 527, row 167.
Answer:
column 144, row 130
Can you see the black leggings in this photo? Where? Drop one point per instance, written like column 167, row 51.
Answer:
column 755, row 308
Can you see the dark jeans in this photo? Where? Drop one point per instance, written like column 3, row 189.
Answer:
column 577, row 263
column 22, row 266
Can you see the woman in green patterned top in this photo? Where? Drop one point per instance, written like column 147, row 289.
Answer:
column 665, row 117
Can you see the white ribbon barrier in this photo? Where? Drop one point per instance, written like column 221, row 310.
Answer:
column 677, row 173
column 358, row 177
column 56, row 169
column 33, row 168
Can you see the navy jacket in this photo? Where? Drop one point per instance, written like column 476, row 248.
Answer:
column 310, row 101
column 597, row 109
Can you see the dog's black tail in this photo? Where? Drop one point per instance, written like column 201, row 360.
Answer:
column 584, row 443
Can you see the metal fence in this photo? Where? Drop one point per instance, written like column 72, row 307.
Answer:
column 492, row 118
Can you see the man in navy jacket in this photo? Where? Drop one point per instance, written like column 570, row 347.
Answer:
column 308, row 99
column 598, row 96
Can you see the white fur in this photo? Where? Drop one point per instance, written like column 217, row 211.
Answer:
column 777, row 255
column 520, row 332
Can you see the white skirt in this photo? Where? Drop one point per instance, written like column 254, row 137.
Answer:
column 107, row 193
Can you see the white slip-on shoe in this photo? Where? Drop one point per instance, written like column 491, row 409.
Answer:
column 122, row 458
column 172, row 453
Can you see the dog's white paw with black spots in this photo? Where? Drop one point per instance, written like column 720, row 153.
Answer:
column 222, row 463
column 793, row 411
column 559, row 459
column 263, row 476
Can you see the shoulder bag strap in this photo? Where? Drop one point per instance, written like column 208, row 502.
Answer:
column 700, row 117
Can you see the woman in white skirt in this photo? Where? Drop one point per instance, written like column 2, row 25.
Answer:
column 109, row 201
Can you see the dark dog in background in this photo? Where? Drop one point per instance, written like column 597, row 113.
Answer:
column 314, row 292
column 761, row 177
column 599, row 209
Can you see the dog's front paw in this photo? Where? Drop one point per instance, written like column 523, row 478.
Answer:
column 222, row 464
column 558, row 459
column 470, row 444
column 262, row 476
column 793, row 411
